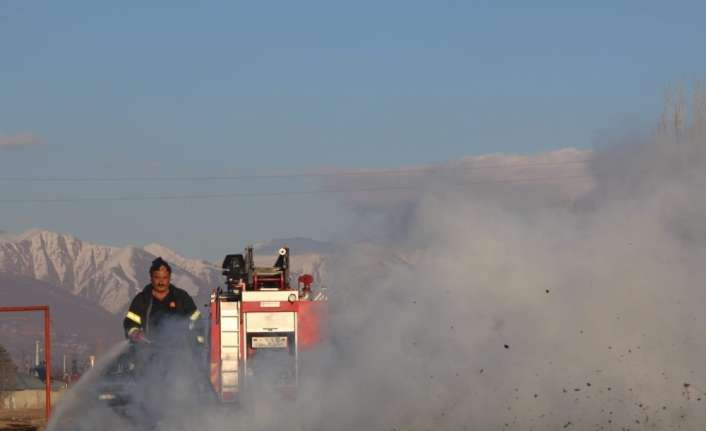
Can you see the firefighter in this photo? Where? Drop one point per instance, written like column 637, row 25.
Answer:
column 158, row 302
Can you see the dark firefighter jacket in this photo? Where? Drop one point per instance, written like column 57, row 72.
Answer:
column 147, row 312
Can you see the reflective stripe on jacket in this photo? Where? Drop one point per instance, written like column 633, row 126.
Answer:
column 140, row 313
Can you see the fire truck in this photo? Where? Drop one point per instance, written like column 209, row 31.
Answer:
column 258, row 333
column 260, row 327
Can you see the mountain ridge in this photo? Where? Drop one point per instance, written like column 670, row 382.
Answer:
column 109, row 276
column 105, row 275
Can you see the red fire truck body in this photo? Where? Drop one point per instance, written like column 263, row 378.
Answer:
column 259, row 327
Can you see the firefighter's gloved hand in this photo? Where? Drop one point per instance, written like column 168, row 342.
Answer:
column 137, row 336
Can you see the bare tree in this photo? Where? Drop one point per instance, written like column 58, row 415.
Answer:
column 8, row 373
column 698, row 116
column 673, row 120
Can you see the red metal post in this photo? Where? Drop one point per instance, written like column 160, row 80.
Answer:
column 47, row 349
column 47, row 360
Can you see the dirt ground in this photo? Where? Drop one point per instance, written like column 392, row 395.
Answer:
column 22, row 420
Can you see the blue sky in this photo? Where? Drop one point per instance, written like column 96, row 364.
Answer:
column 219, row 88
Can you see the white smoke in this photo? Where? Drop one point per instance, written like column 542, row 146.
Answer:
column 514, row 306
column 78, row 409
column 508, row 306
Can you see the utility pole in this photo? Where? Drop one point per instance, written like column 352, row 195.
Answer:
column 36, row 353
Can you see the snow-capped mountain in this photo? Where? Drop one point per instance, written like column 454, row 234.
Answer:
column 105, row 275
column 110, row 276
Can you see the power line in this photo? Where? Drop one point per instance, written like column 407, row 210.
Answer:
column 405, row 171
column 273, row 194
